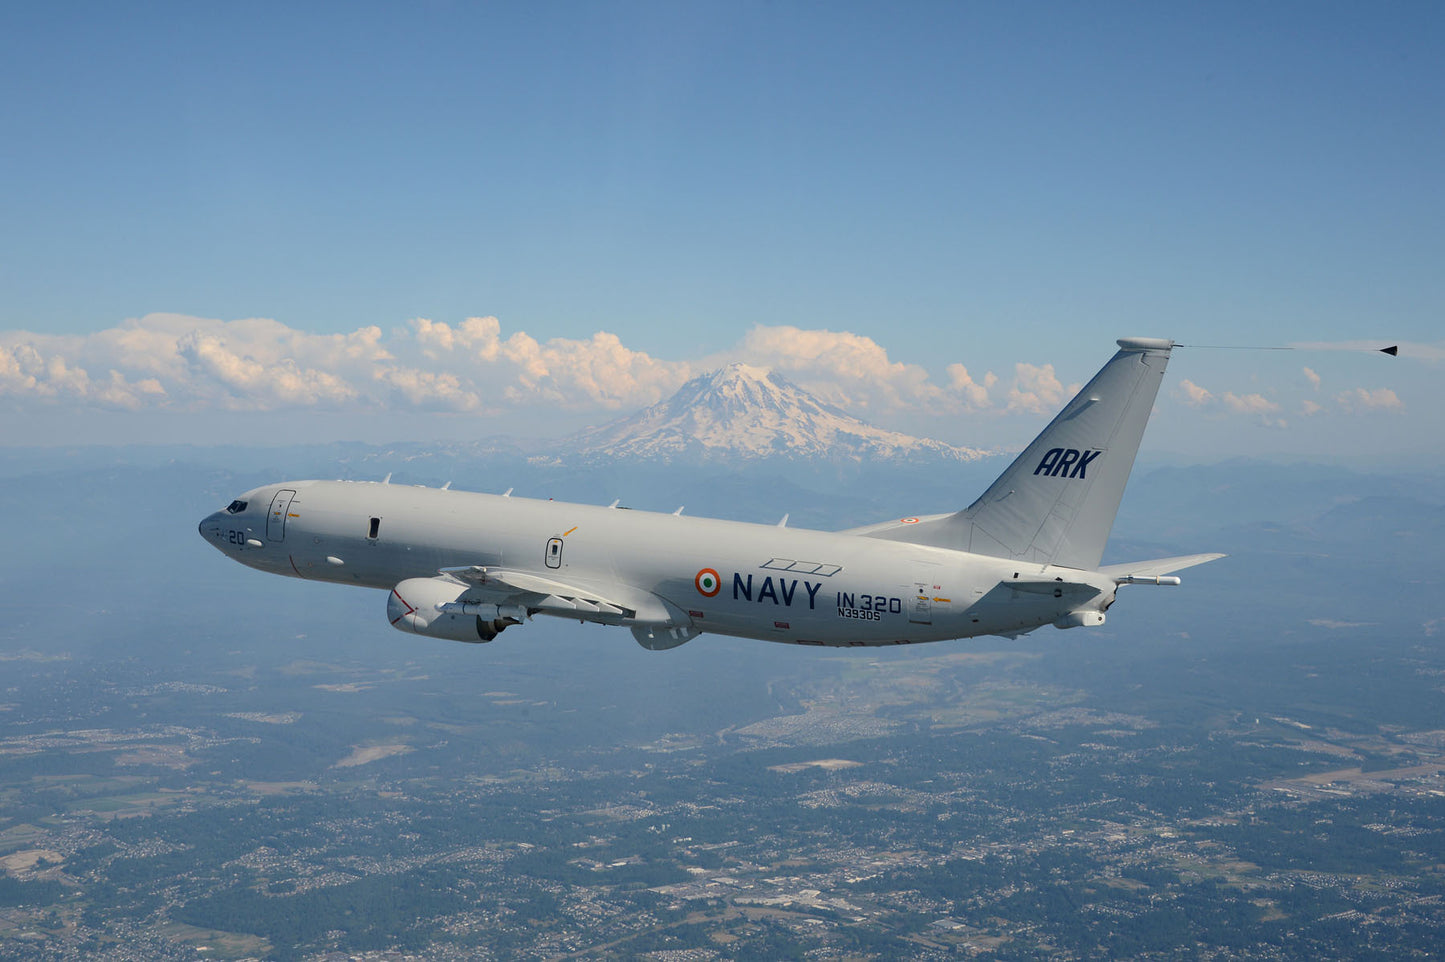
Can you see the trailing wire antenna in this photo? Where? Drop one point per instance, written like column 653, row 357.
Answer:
column 1393, row 350
column 1235, row 347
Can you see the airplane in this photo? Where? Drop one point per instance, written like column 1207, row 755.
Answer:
column 466, row 566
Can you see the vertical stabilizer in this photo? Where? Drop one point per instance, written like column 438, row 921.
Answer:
column 1056, row 503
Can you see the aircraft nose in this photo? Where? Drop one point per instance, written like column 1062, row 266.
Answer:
column 210, row 526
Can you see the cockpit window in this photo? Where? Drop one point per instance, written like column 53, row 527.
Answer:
column 235, row 507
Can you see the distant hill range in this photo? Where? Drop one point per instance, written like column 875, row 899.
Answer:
column 743, row 413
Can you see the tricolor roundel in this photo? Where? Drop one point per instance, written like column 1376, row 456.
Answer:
column 708, row 583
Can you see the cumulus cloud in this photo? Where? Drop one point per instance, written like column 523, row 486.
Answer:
column 1365, row 400
column 257, row 364
column 855, row 372
column 849, row 370
column 974, row 393
column 26, row 372
column 1195, row 396
column 428, row 390
column 1248, row 403
column 473, row 366
column 598, row 372
column 1037, row 390
column 1313, row 378
column 177, row 361
column 258, row 382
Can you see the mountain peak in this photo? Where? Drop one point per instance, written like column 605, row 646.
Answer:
column 738, row 371
column 746, row 412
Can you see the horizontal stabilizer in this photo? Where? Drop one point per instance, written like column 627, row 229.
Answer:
column 1157, row 567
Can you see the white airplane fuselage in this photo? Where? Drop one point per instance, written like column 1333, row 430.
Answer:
column 467, row 566
column 772, row 583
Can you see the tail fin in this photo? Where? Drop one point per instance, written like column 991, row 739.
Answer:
column 1056, row 503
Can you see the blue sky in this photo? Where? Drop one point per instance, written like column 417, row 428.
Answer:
column 956, row 184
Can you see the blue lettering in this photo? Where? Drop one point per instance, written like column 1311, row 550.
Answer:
column 845, row 600
column 1066, row 463
column 766, row 591
column 788, row 595
column 812, row 590
column 1051, row 459
column 746, row 590
column 1084, row 461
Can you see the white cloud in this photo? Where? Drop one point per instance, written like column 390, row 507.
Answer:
column 1362, row 400
column 255, row 376
column 26, row 372
column 846, row 369
column 973, row 393
column 256, row 364
column 186, row 363
column 1261, row 407
column 1194, row 395
column 1357, row 400
column 1248, row 403
column 1036, row 389
column 189, row 362
column 428, row 390
column 1255, row 404
column 598, row 372
column 855, row 372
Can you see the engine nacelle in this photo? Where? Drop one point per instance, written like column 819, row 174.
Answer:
column 1083, row 618
column 433, row 607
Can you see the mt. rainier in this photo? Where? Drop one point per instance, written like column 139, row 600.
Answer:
column 748, row 413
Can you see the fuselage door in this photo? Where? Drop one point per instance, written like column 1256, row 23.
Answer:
column 276, row 522
column 920, row 608
column 553, row 557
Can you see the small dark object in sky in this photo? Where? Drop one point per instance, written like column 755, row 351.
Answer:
column 1393, row 350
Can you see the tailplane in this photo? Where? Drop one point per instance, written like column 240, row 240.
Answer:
column 1056, row 503
column 1156, row 571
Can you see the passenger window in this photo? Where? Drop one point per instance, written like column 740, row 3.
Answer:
column 375, row 528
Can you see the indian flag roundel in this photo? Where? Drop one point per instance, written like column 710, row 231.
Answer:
column 708, row 583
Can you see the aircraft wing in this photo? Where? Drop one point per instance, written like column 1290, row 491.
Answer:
column 1056, row 588
column 579, row 599
column 1157, row 567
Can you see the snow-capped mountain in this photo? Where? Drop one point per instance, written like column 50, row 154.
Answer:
column 747, row 413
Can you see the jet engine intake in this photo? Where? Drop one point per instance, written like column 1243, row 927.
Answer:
column 434, row 607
